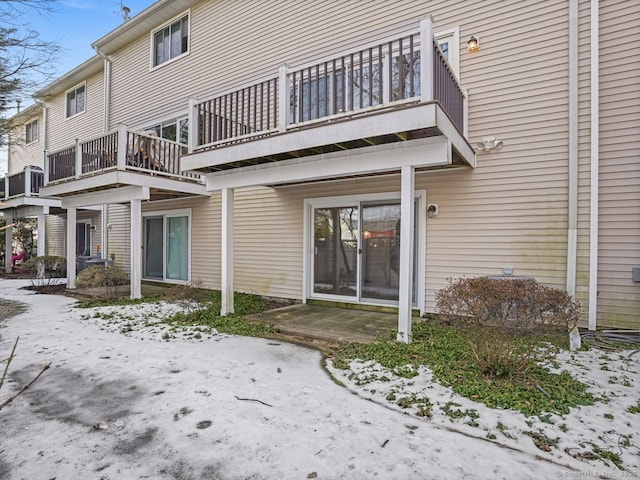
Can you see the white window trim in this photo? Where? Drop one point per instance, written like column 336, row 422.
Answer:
column 66, row 103
column 341, row 201
column 452, row 35
column 152, row 49
column 167, row 120
column 185, row 212
column 27, row 125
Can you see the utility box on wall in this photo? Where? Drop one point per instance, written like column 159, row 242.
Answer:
column 636, row 274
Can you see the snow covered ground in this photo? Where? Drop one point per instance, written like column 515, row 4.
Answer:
column 127, row 398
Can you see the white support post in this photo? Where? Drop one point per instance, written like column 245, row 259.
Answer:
column 407, row 220
column 8, row 243
column 136, row 248
column 27, row 181
column 227, row 252
column 283, row 98
column 71, row 248
column 194, row 124
column 104, row 241
column 122, row 147
column 6, row 188
column 78, row 158
column 42, row 234
column 426, row 59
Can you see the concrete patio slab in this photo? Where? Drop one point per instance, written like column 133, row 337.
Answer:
column 330, row 323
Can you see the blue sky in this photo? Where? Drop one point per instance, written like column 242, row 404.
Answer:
column 75, row 25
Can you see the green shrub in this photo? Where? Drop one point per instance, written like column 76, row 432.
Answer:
column 54, row 267
column 101, row 276
column 507, row 321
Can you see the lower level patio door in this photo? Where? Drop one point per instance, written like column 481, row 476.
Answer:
column 355, row 254
column 166, row 246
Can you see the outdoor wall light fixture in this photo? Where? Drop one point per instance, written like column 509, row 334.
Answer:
column 432, row 210
column 488, row 144
column 473, row 43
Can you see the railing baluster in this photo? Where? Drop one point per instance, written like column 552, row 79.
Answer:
column 411, row 67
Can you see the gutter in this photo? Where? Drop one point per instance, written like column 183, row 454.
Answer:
column 595, row 161
column 107, row 89
column 572, row 222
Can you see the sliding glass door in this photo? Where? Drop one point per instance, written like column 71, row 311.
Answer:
column 356, row 252
column 166, row 247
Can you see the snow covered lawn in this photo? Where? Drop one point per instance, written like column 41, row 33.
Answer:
column 127, row 397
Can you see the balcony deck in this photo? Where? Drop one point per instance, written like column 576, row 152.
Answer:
column 22, row 191
column 391, row 91
column 118, row 159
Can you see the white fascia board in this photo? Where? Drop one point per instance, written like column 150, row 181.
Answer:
column 427, row 152
column 26, row 211
column 122, row 178
column 459, row 142
column 114, row 195
column 365, row 126
column 30, row 201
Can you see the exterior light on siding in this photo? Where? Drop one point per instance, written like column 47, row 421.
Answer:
column 488, row 144
column 473, row 43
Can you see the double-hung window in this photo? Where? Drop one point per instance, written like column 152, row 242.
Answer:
column 76, row 100
column 171, row 40
column 31, row 134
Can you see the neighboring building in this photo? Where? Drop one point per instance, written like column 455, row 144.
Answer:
column 350, row 151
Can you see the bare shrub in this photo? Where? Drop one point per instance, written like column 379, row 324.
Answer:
column 105, row 278
column 507, row 321
column 191, row 296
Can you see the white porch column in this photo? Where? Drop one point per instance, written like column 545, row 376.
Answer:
column 227, row 252
column 71, row 248
column 407, row 220
column 426, row 59
column 8, row 243
column 136, row 248
column 42, row 234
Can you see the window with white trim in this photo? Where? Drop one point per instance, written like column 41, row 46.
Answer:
column 176, row 130
column 171, row 40
column 76, row 100
column 449, row 42
column 31, row 133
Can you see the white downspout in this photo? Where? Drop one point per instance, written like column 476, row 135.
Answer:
column 572, row 221
column 595, row 146
column 107, row 90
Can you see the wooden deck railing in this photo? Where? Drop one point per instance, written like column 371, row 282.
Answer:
column 380, row 75
column 117, row 150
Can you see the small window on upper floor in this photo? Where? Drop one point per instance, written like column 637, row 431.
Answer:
column 76, row 100
column 31, row 133
column 171, row 40
column 449, row 42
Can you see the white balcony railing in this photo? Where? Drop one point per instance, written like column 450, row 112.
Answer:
column 118, row 150
column 403, row 69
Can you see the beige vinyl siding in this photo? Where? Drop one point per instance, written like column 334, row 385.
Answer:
column 55, row 235
column 22, row 155
column 63, row 131
column 510, row 212
column 289, row 31
column 205, row 235
column 119, row 237
column 619, row 202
